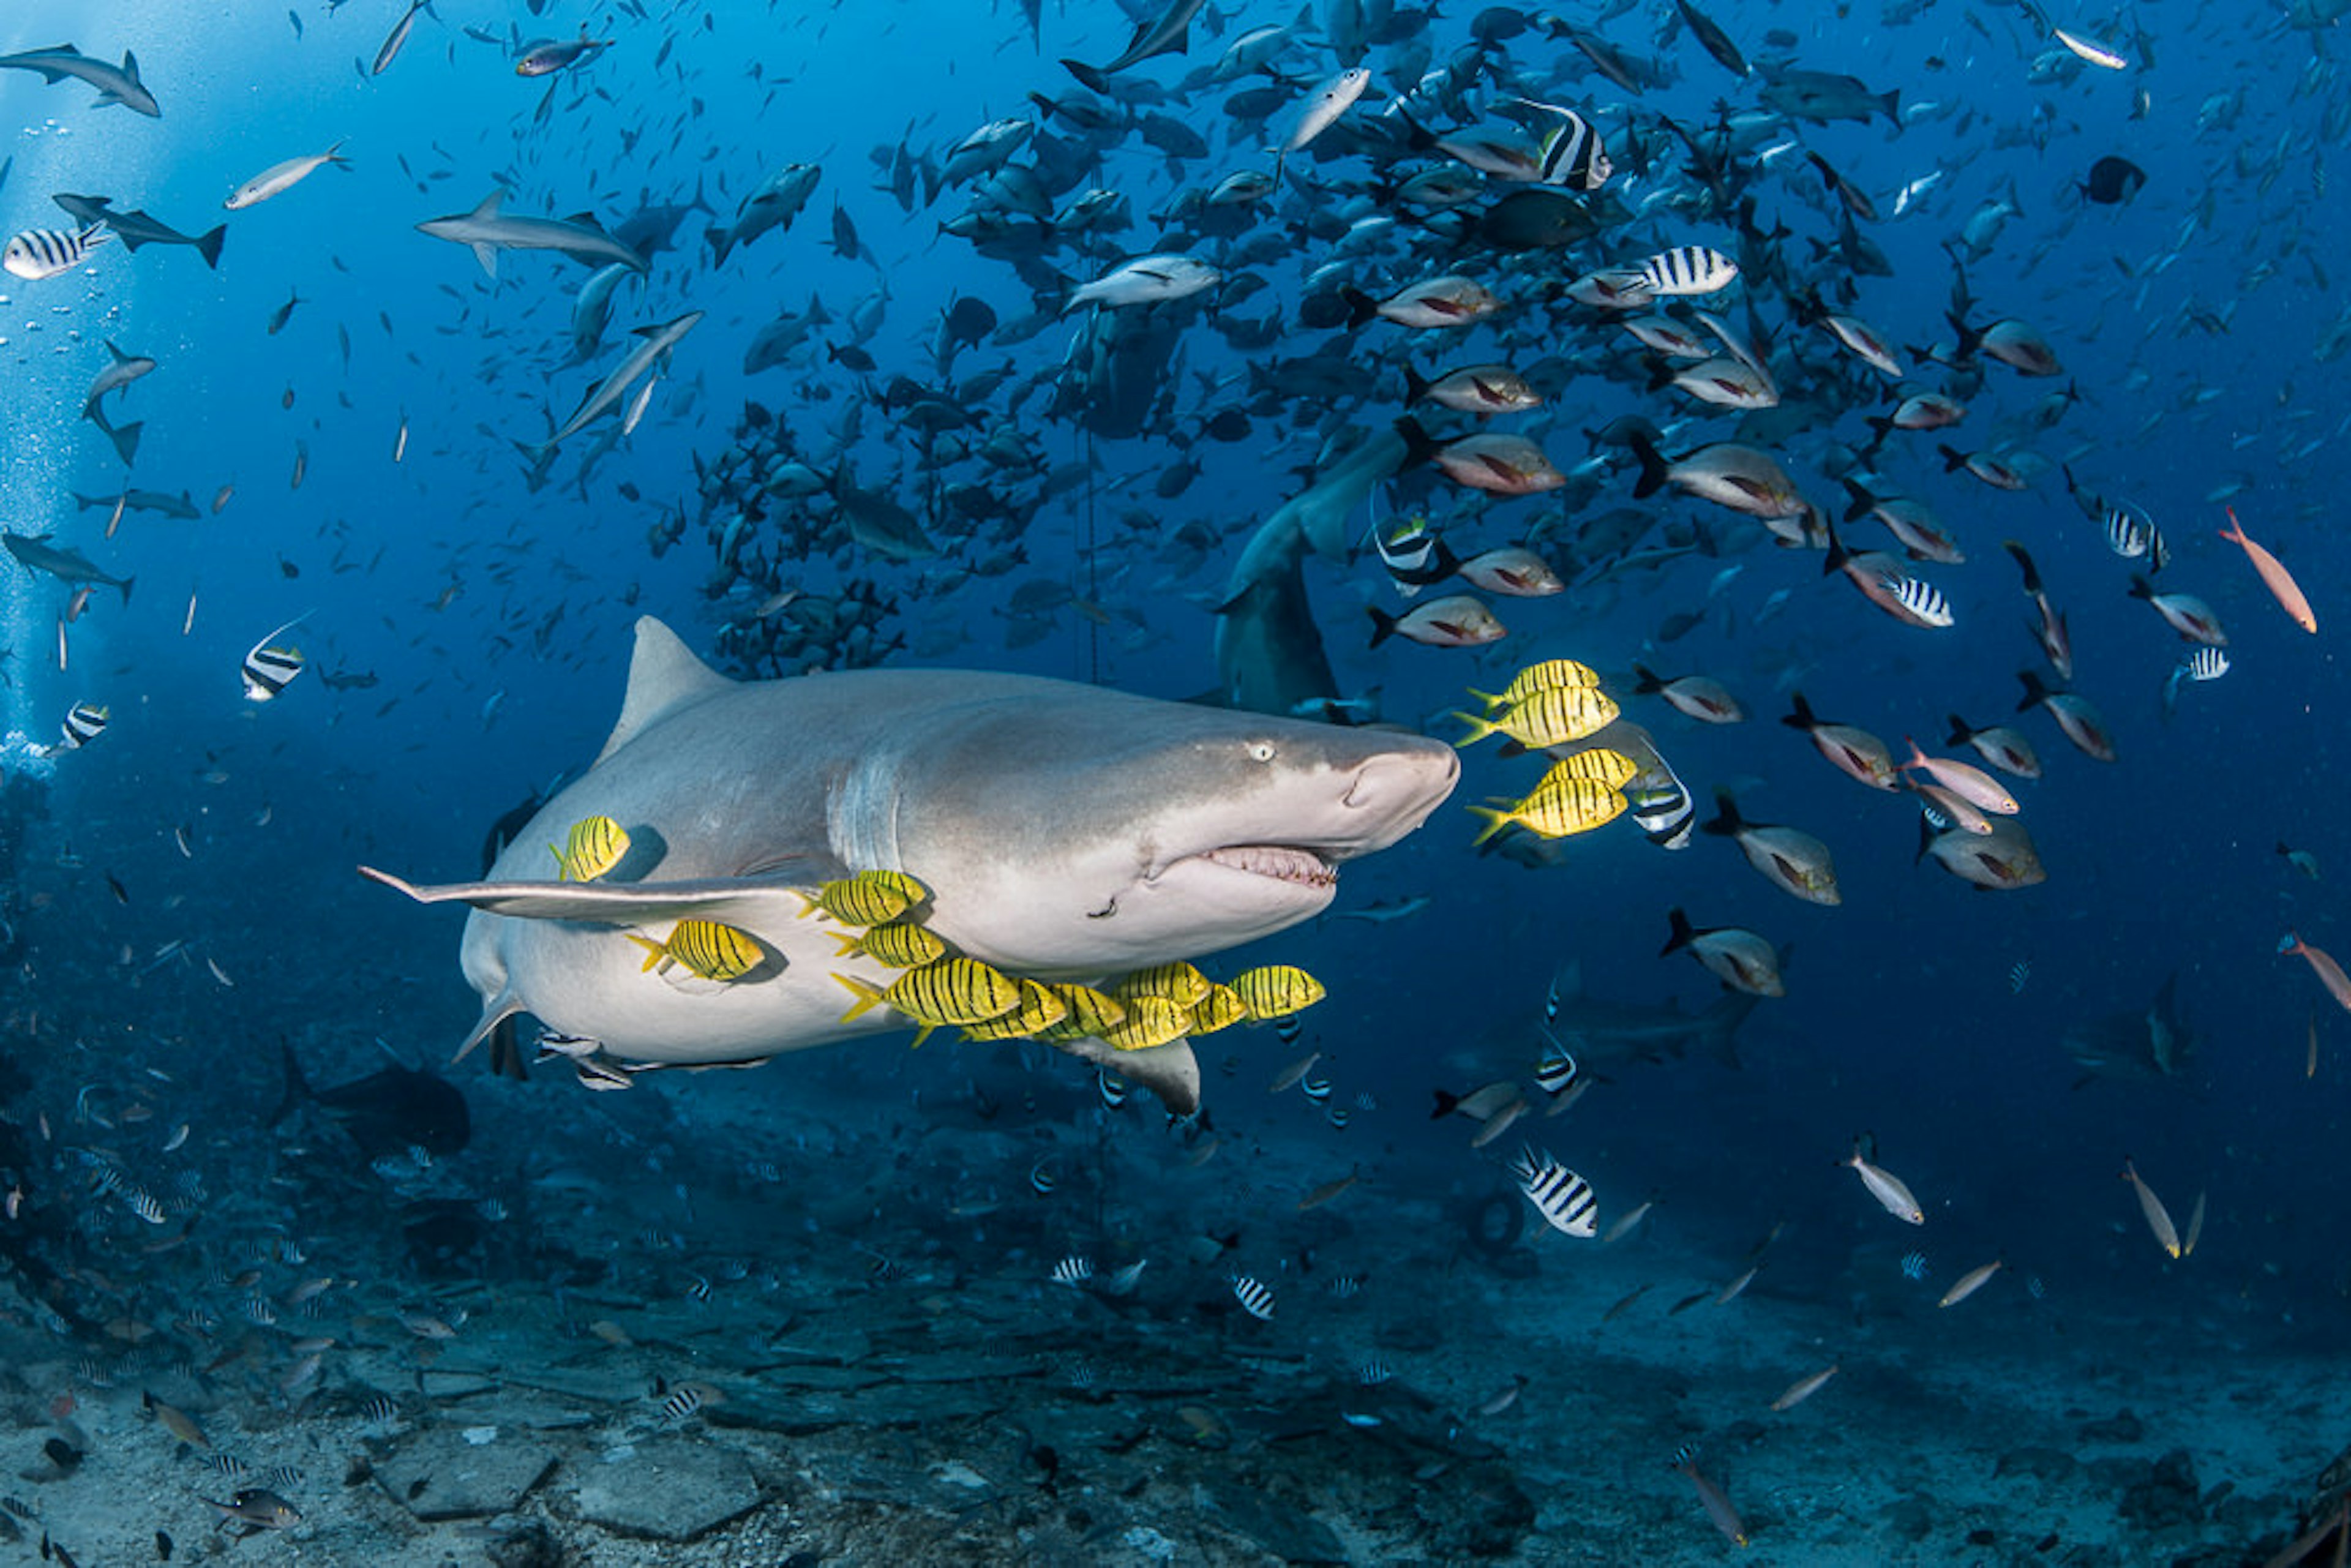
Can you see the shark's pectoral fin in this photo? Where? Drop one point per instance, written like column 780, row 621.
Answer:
column 496, row 1010
column 731, row 901
column 1170, row 1070
column 487, row 255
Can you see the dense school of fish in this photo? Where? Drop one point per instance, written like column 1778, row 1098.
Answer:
column 1541, row 308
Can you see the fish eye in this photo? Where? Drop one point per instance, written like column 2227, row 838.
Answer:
column 1261, row 751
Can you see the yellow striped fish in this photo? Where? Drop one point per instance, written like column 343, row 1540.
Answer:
column 1545, row 676
column 1091, row 1012
column 866, row 898
column 1571, row 806
column 945, row 991
column 1599, row 765
column 1277, row 991
column 1555, row 716
column 897, row 943
column 592, row 847
column 705, row 950
column 1149, row 1021
column 1039, row 1008
column 1179, row 982
column 1221, row 1008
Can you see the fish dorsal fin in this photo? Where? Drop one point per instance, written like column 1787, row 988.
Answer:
column 664, row 676
column 489, row 205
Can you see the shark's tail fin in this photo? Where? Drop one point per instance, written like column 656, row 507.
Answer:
column 1717, row 1027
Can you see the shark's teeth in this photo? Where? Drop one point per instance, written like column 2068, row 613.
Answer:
column 1275, row 860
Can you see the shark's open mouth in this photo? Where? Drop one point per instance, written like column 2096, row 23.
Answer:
column 1275, row 861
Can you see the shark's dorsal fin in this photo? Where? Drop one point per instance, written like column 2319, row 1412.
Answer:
column 664, row 676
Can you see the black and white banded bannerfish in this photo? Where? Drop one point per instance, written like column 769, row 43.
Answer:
column 36, row 254
column 1564, row 1199
column 84, row 723
column 1073, row 1271
column 269, row 670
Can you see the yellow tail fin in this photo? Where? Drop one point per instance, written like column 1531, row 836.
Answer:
column 1479, row 728
column 869, row 995
column 1495, row 822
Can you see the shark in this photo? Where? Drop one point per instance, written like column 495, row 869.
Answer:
column 652, row 349
column 139, row 226
column 487, row 231
column 1064, row 832
column 1603, row 1035
column 33, row 552
column 1171, row 33
column 2153, row 1045
column 1270, row 656
column 115, row 84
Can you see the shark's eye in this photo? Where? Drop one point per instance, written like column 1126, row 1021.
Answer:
column 1261, row 751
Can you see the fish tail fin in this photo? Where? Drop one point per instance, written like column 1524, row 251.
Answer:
column 208, row 244
column 2141, row 587
column 1684, row 932
column 2235, row 532
column 1718, row 1026
column 1653, row 467
column 1415, row 387
column 2035, row 693
column 867, row 995
column 1726, row 821
column 1445, row 1104
column 851, row 946
column 1800, row 716
column 298, row 1088
column 1361, row 307
column 1488, row 698
column 1495, row 821
column 1419, row 446
column 1479, row 728
column 1953, row 459
column 1092, row 78
column 1384, row 625
column 1646, row 681
column 125, row 586
column 654, row 951
column 1960, row 731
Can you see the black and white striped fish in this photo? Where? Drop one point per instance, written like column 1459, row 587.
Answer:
column 146, row 1206
column 85, row 722
column 1073, row 1271
column 380, row 1411
column 1256, row 1299
column 1315, row 1088
column 1040, row 1179
column 270, row 670
column 683, row 1401
column 2205, row 664
column 36, row 254
column 1113, row 1090
column 1662, row 806
column 1414, row 554
column 1563, row 1198
column 1922, row 599
column 1688, row 269
column 1568, row 147
column 2132, row 534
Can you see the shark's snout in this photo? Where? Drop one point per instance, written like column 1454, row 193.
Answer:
column 1394, row 792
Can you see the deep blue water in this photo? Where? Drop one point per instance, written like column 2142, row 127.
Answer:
column 2190, row 319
